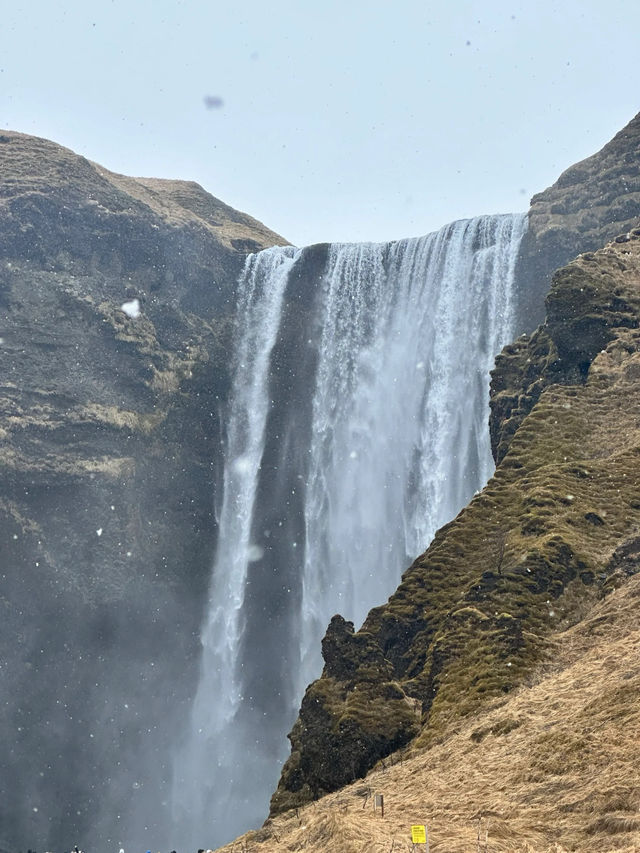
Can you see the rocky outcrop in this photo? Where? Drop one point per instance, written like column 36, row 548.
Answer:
column 354, row 715
column 585, row 307
column 590, row 203
column 109, row 452
column 554, row 529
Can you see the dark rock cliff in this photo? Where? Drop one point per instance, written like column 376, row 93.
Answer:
column 589, row 204
column 473, row 614
column 109, row 451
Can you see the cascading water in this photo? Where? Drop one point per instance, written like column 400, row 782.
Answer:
column 209, row 759
column 357, row 426
column 400, row 429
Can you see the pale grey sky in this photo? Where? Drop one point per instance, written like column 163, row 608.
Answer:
column 352, row 120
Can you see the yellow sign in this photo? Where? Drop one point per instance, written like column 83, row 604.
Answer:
column 418, row 835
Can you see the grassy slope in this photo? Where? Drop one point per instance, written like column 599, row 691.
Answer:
column 553, row 766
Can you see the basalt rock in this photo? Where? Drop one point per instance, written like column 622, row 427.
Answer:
column 355, row 715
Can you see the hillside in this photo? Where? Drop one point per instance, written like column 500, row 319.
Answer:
column 554, row 766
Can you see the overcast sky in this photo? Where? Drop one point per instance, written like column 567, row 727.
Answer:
column 336, row 120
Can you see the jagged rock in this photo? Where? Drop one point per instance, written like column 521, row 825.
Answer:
column 355, row 715
column 348, row 656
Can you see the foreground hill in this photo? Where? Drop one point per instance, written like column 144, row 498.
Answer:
column 554, row 766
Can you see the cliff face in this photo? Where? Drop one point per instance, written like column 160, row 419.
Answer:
column 589, row 204
column 555, row 529
column 109, row 437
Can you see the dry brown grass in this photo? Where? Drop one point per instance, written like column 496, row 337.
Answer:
column 553, row 767
column 31, row 165
column 181, row 202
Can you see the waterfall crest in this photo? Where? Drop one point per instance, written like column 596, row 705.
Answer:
column 358, row 425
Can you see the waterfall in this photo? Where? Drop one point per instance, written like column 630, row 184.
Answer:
column 358, row 425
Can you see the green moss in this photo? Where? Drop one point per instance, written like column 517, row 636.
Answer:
column 379, row 713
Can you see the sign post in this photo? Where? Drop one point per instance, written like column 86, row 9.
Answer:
column 419, row 835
